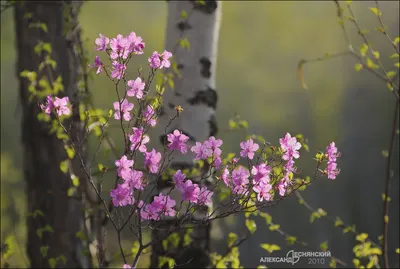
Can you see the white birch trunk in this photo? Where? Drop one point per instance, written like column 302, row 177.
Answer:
column 195, row 92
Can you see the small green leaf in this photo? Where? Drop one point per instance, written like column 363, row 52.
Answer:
column 324, row 246
column 363, row 49
column 376, row 11
column 232, row 237
column 394, row 56
column 64, row 166
column 396, row 40
column 385, row 153
column 63, row 259
column 270, row 247
column 371, row 64
column 70, row 191
column 43, row 251
column 338, row 222
column 376, row 54
column 291, row 239
column 391, row 74
column 251, row 225
column 332, row 264
column 184, row 14
column 267, row 217
column 398, row 250
column 52, row 262
column 274, row 227
column 361, row 237
column 397, row 65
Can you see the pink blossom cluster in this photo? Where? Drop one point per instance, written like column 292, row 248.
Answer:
column 290, row 147
column 119, row 50
column 60, row 105
column 162, row 204
column 191, row 191
column 332, row 153
column 209, row 149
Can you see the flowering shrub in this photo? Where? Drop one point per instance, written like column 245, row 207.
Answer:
column 262, row 175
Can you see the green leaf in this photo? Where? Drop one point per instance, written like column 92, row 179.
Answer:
column 391, row 74
column 376, row 11
column 71, row 191
column 361, row 237
column 43, row 251
column 397, row 65
column 398, row 250
column 338, row 222
column 396, row 40
column 64, row 166
column 166, row 260
column 274, row 227
column 332, row 264
column 75, row 180
column 232, row 237
column 52, row 262
column 363, row 49
column 394, row 56
column 291, row 239
column 267, row 217
column 270, row 247
column 251, row 225
column 63, row 259
column 80, row 235
column 70, row 151
column 371, row 64
column 385, row 153
column 184, row 14
column 324, row 246
column 376, row 54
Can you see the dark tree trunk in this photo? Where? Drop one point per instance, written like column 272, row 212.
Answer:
column 47, row 185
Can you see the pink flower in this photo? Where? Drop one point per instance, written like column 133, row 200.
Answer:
column 283, row 184
column 119, row 47
column 332, row 152
column 202, row 151
column 204, row 196
column 122, row 196
column 148, row 116
column 165, row 204
column 179, row 178
column 177, row 141
column 240, row 179
column 152, row 160
column 138, row 139
column 136, row 88
column 225, row 176
column 217, row 162
column 135, row 43
column 102, row 42
column 164, row 59
column 125, row 108
column 48, row 106
column 124, row 167
column 190, row 192
column 262, row 189
column 248, row 148
column 97, row 63
column 118, row 70
column 154, row 60
column 157, row 60
column 161, row 204
column 261, row 173
column 61, row 106
column 133, row 180
column 289, row 146
column 332, row 170
column 214, row 145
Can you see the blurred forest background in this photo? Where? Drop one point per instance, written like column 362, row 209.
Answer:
column 260, row 46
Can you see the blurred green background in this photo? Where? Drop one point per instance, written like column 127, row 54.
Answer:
column 260, row 46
